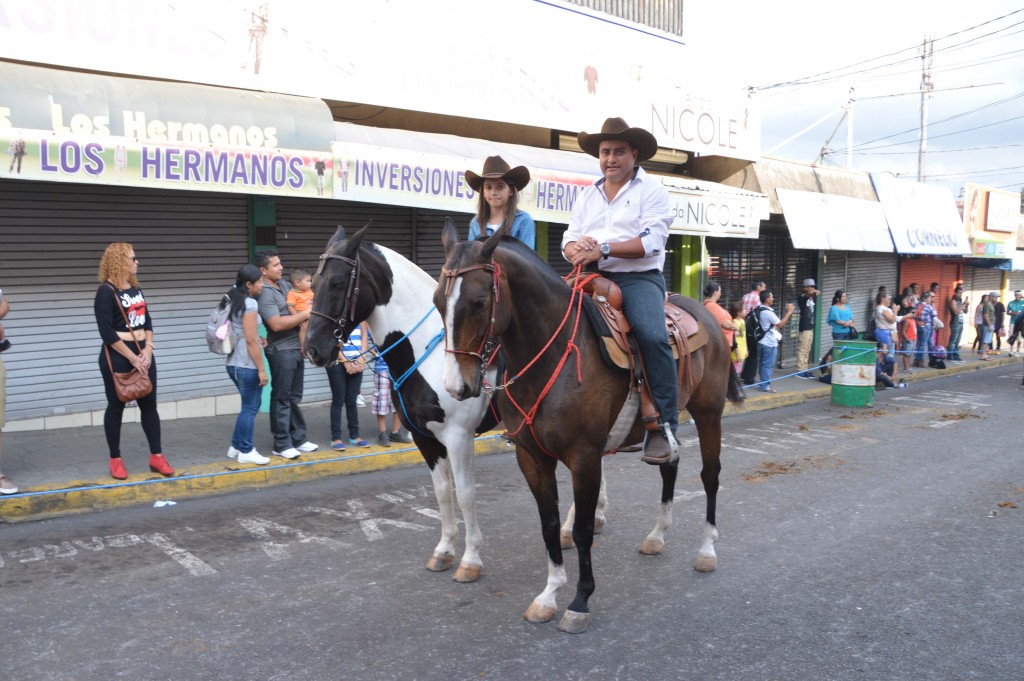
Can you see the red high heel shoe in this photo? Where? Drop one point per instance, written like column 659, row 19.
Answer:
column 158, row 464
column 117, row 469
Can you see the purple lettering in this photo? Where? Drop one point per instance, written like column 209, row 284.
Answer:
column 190, row 170
column 172, row 165
column 295, row 165
column 93, row 160
column 44, row 157
column 406, row 173
column 216, row 166
column 149, row 164
column 238, row 174
column 259, row 169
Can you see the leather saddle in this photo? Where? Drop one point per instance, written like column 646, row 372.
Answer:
column 603, row 306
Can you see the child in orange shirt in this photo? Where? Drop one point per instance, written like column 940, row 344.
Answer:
column 300, row 299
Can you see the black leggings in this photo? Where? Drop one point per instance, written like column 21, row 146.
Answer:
column 115, row 407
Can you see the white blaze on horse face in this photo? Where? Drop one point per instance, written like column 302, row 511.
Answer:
column 452, row 376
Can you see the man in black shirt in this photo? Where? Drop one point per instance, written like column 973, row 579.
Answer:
column 805, row 302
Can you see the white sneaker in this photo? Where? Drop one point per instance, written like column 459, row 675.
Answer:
column 290, row 453
column 360, row 402
column 252, row 457
column 308, row 446
column 233, row 453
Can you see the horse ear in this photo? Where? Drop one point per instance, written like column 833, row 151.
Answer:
column 449, row 236
column 339, row 235
column 353, row 244
column 493, row 240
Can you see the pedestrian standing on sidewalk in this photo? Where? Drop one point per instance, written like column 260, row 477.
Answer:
column 925, row 324
column 750, row 301
column 284, row 356
column 383, row 406
column 7, row 486
column 908, row 333
column 806, row 302
column 712, row 293
column 345, row 377
column 245, row 363
column 956, row 308
column 979, row 323
column 1015, row 308
column 885, row 322
column 126, row 329
column 840, row 318
column 769, row 345
column 739, row 350
column 998, row 327
column 988, row 325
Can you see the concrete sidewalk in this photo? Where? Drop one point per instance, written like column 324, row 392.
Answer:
column 65, row 471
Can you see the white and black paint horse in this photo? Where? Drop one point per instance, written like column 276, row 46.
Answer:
column 360, row 281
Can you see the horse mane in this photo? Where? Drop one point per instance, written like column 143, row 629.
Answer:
column 510, row 243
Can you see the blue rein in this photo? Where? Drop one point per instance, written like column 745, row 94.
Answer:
column 400, row 381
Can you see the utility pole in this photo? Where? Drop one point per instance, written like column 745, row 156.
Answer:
column 926, row 89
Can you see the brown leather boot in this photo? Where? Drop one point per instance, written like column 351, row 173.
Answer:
column 658, row 450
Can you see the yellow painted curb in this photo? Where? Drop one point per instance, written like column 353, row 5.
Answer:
column 217, row 478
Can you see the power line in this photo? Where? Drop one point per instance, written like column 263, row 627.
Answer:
column 989, row 172
column 809, row 80
column 932, row 151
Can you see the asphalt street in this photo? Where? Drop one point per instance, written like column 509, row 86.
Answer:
column 879, row 543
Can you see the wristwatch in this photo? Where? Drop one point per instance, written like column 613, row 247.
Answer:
column 606, row 250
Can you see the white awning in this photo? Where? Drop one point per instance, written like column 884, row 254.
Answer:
column 923, row 218
column 834, row 223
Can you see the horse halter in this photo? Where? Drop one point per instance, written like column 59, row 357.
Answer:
column 489, row 345
column 348, row 309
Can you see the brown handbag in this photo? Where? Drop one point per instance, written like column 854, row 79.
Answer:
column 129, row 385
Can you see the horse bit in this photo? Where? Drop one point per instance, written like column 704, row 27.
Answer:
column 348, row 309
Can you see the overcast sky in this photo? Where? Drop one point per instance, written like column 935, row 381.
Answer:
column 874, row 46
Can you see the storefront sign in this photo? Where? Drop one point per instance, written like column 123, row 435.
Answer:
column 991, row 218
column 708, row 209
column 71, row 127
column 922, row 218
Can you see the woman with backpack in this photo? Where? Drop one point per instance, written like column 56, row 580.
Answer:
column 245, row 362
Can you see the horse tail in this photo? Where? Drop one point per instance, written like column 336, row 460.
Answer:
column 734, row 392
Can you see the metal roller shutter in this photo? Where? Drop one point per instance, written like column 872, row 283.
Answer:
column 428, row 249
column 189, row 244
column 978, row 281
column 1014, row 281
column 737, row 263
column 926, row 270
column 859, row 273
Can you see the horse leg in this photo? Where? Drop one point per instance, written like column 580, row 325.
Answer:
column 539, row 472
column 463, row 469
column 586, row 485
column 709, row 429
column 444, row 552
column 654, row 543
column 599, row 514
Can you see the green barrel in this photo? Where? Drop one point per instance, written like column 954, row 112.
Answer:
column 853, row 374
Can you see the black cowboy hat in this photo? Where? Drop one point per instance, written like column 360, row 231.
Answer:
column 618, row 129
column 495, row 168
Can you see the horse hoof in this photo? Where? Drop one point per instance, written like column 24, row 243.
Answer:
column 439, row 563
column 705, row 563
column 467, row 573
column 538, row 614
column 567, row 542
column 652, row 547
column 598, row 525
column 574, row 622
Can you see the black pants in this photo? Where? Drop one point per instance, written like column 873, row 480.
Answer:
column 344, row 391
column 749, row 372
column 114, row 414
column 287, row 372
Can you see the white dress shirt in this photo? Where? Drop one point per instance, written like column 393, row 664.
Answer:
column 640, row 209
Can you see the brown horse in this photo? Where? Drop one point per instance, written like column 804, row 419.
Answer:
column 561, row 400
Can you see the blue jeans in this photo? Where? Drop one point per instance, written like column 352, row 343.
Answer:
column 766, row 364
column 924, row 343
column 248, row 383
column 885, row 336
column 643, row 302
column 956, row 332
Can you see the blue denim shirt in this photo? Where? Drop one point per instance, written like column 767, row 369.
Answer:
column 523, row 228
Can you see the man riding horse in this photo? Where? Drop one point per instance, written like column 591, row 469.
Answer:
column 621, row 223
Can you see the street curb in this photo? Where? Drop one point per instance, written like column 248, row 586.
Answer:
column 79, row 496
column 788, row 399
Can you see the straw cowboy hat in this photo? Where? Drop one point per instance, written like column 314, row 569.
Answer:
column 618, row 129
column 495, row 168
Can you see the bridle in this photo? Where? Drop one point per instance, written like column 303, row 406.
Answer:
column 489, row 345
column 348, row 309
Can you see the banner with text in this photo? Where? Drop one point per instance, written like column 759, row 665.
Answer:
column 991, row 218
